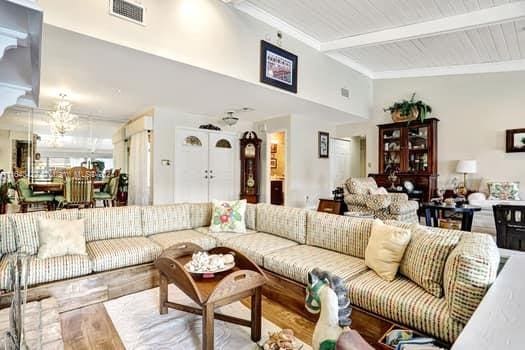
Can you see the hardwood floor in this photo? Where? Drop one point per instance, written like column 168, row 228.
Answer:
column 91, row 328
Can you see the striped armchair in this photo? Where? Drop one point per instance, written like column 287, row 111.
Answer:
column 363, row 195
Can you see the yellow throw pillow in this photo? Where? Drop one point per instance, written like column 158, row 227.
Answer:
column 61, row 237
column 385, row 249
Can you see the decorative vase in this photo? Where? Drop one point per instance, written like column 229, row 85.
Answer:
column 397, row 117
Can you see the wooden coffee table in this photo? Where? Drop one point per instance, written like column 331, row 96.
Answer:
column 244, row 280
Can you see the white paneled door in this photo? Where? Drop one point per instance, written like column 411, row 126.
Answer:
column 340, row 161
column 204, row 166
column 221, row 160
column 191, row 166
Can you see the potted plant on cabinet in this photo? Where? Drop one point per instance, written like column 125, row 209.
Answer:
column 408, row 110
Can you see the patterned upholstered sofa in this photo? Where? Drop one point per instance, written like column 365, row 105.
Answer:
column 286, row 241
column 360, row 197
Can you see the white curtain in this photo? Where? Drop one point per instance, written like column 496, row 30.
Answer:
column 139, row 162
column 120, row 156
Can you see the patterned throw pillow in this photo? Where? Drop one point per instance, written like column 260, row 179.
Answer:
column 504, row 190
column 425, row 258
column 228, row 216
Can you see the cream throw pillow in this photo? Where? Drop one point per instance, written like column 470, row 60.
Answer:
column 61, row 237
column 385, row 249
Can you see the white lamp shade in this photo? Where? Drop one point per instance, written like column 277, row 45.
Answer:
column 467, row 167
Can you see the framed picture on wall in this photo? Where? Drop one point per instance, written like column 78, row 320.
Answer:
column 324, row 144
column 273, row 163
column 278, row 67
column 515, row 140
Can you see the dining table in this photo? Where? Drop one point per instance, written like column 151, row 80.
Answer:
column 57, row 187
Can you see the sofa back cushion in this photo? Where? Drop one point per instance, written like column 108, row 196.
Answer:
column 200, row 214
column 426, row 255
column 26, row 227
column 108, row 223
column 470, row 270
column 282, row 221
column 342, row 234
column 361, row 185
column 7, row 235
column 251, row 216
column 165, row 218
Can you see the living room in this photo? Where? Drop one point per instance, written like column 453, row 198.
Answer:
column 134, row 132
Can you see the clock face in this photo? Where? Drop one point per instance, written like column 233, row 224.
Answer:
column 249, row 151
column 250, row 182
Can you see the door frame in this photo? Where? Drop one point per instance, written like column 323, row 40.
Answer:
column 268, row 182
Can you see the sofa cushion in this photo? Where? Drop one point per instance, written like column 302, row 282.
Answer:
column 7, row 238
column 26, row 227
column 401, row 300
column 426, row 255
column 165, row 218
column 251, row 216
column 469, row 271
column 257, row 245
column 200, row 214
column 385, row 250
column 282, row 221
column 167, row 239
column 48, row 270
column 111, row 254
column 296, row 262
column 108, row 223
column 377, row 201
column 338, row 233
column 220, row 237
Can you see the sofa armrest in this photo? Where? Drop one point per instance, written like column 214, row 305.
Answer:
column 355, row 199
column 399, row 208
column 398, row 197
column 470, row 270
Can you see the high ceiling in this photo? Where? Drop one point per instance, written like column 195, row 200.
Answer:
column 386, row 38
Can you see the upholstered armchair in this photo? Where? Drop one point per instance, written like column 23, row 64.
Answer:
column 363, row 195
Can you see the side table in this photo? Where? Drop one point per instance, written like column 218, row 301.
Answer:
column 432, row 212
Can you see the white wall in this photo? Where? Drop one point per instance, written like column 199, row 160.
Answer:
column 212, row 35
column 165, row 120
column 5, row 150
column 475, row 111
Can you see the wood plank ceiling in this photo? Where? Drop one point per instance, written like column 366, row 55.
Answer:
column 329, row 20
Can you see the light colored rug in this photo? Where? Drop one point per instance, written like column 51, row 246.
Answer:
column 140, row 326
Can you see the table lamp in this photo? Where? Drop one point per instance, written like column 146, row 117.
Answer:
column 466, row 167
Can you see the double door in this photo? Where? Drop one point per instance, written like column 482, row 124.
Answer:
column 204, row 165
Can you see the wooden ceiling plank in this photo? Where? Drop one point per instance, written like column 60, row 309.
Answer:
column 483, row 17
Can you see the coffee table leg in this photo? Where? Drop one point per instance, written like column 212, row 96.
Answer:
column 207, row 326
column 163, row 294
column 256, row 315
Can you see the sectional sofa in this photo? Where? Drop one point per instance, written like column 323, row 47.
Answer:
column 285, row 241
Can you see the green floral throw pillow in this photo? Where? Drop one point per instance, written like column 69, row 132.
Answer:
column 228, row 216
column 504, row 190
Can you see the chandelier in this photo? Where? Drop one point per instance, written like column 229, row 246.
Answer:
column 230, row 119
column 62, row 121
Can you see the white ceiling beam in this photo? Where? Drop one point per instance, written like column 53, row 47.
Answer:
column 499, row 14
column 494, row 67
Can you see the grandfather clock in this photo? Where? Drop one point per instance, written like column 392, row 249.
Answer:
column 250, row 164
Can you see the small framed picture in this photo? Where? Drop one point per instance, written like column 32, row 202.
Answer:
column 278, row 67
column 515, row 140
column 324, row 144
column 273, row 148
column 273, row 163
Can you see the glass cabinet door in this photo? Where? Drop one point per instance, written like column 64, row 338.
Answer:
column 391, row 141
column 418, row 149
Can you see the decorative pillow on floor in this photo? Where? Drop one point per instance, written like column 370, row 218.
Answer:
column 385, row 249
column 504, row 190
column 61, row 237
column 228, row 216
column 425, row 258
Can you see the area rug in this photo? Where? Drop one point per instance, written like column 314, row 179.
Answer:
column 140, row 326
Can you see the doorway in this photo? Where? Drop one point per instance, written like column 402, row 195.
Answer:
column 277, row 167
column 348, row 159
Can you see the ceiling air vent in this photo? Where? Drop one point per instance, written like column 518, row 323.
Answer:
column 127, row 10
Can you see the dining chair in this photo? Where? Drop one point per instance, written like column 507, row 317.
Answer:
column 78, row 189
column 109, row 193
column 26, row 197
